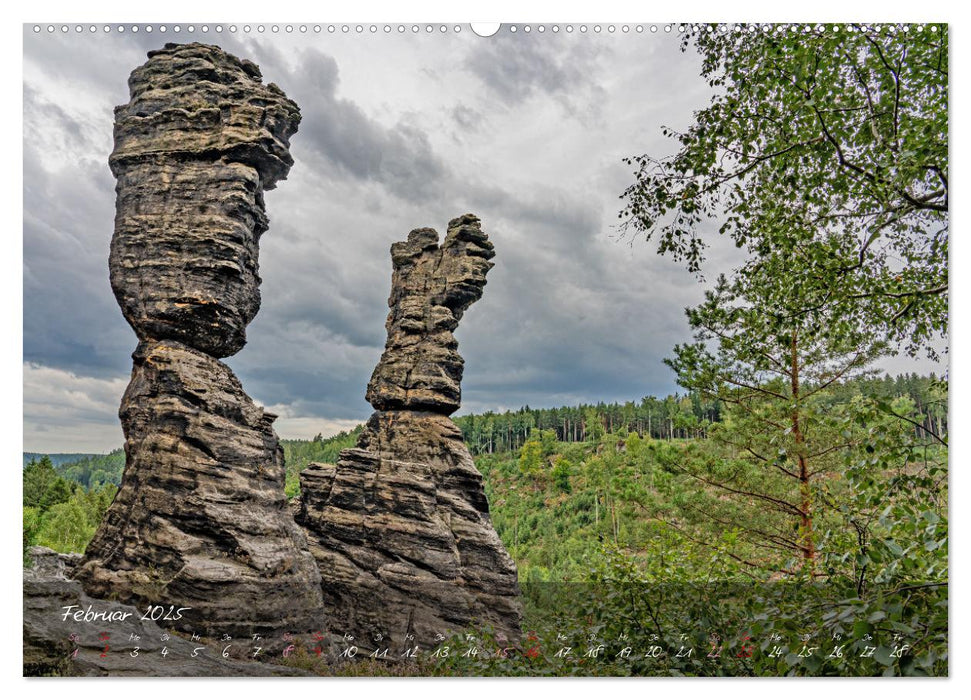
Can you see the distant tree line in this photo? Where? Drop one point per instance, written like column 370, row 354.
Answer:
column 93, row 471
column 928, row 394
column 57, row 458
column 677, row 415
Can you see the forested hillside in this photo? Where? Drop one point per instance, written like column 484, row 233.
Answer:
column 56, row 458
column 674, row 416
column 689, row 523
column 671, row 417
column 565, row 481
column 92, row 471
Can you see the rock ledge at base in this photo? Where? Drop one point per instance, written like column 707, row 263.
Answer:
column 59, row 646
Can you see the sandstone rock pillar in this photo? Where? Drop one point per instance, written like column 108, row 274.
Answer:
column 400, row 525
column 200, row 520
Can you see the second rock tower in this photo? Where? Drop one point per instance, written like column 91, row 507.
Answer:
column 400, row 525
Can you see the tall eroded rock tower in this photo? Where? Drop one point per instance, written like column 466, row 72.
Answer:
column 400, row 526
column 201, row 518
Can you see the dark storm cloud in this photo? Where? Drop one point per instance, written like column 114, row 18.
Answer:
column 517, row 67
column 563, row 319
column 99, row 63
column 569, row 313
column 343, row 136
column 71, row 319
column 466, row 118
column 308, row 283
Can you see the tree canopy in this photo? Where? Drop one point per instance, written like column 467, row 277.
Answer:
column 835, row 135
column 770, row 363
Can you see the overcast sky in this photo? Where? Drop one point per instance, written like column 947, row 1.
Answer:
column 399, row 131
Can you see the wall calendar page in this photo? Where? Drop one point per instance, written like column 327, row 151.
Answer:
column 535, row 349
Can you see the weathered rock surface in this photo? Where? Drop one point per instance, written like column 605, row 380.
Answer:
column 200, row 140
column 56, row 644
column 431, row 288
column 400, row 525
column 200, row 519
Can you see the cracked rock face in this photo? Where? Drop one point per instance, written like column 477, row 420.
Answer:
column 400, row 525
column 196, row 146
column 200, row 519
column 431, row 288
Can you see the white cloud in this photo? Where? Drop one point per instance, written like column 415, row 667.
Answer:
column 295, row 424
column 65, row 412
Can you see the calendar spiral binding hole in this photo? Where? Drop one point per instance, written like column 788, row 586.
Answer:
column 581, row 29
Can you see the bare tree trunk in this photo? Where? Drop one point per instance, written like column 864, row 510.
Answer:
column 805, row 492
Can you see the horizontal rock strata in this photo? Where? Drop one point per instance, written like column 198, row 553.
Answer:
column 200, row 519
column 196, row 146
column 431, row 288
column 400, row 525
